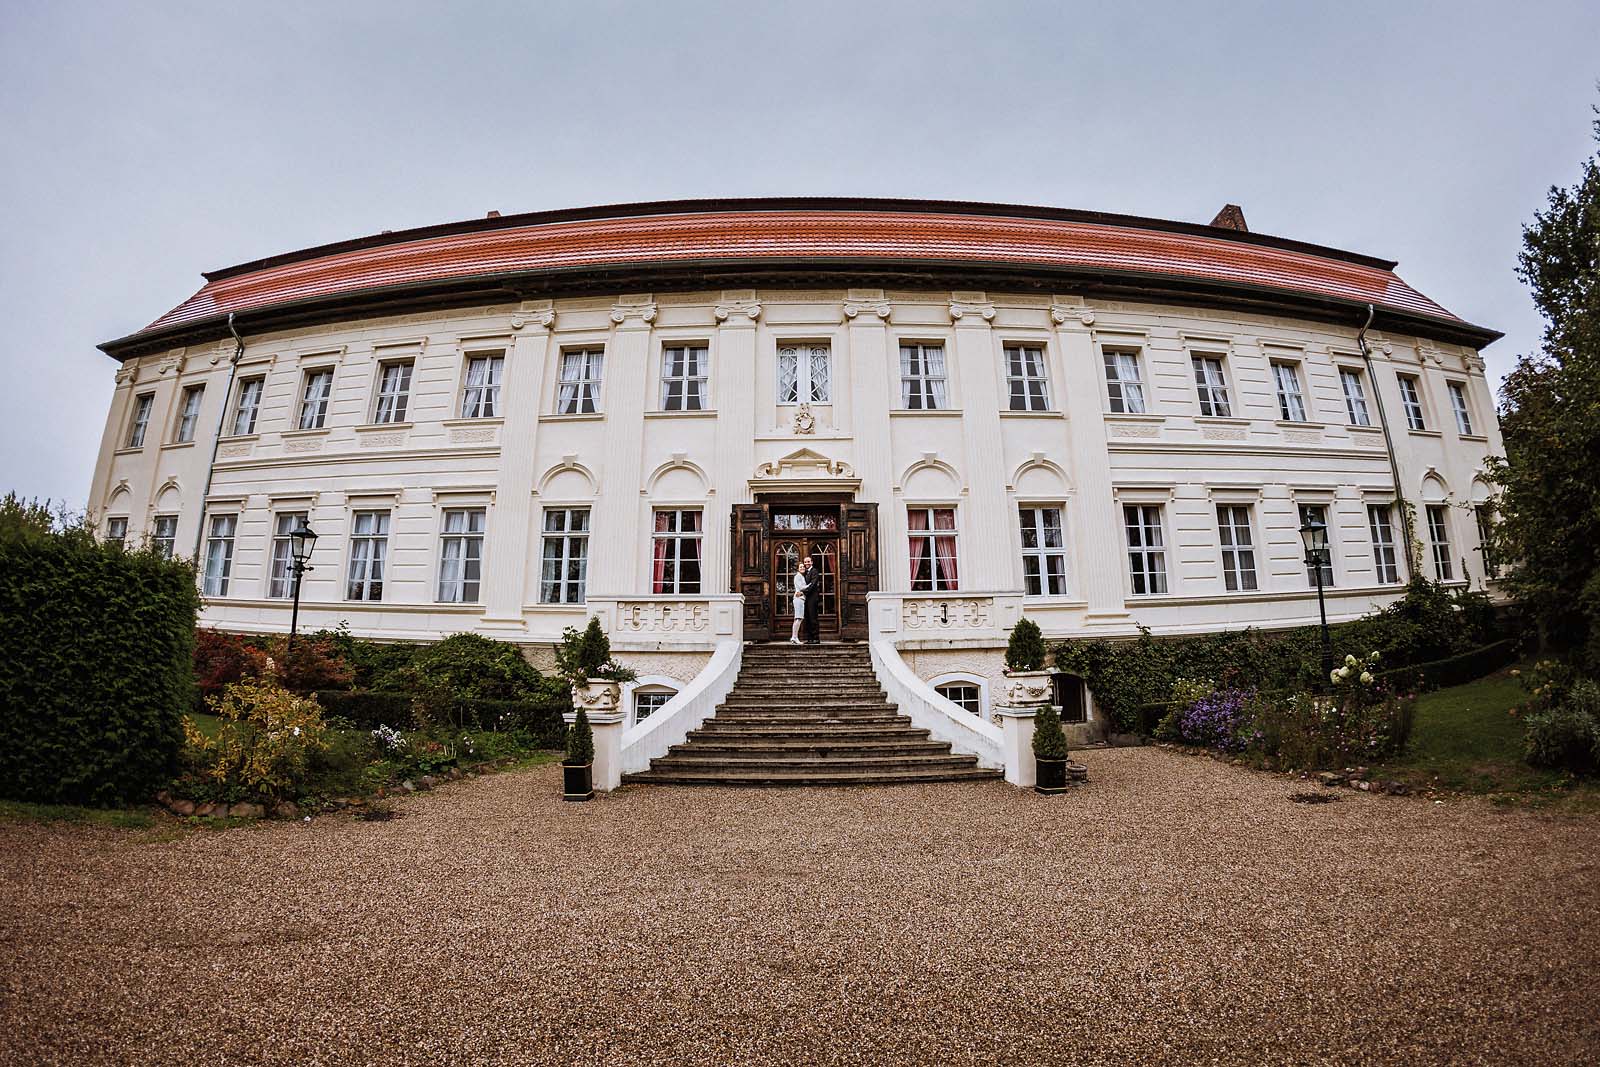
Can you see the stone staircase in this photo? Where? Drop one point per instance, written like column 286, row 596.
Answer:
column 808, row 715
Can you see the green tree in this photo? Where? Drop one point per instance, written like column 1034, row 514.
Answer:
column 1549, row 479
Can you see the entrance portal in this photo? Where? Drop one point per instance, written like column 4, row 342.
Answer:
column 771, row 539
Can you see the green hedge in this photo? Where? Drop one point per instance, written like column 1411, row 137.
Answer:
column 369, row 709
column 95, row 667
column 1455, row 670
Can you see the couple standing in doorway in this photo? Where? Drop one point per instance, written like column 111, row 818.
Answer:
column 807, row 602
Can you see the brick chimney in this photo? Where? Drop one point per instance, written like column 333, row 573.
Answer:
column 1231, row 217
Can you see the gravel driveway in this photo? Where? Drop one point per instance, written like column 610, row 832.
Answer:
column 1173, row 909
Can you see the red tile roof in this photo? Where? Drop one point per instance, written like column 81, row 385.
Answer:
column 772, row 237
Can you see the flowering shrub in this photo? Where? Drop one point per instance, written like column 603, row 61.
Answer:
column 1564, row 730
column 389, row 739
column 1219, row 720
column 262, row 747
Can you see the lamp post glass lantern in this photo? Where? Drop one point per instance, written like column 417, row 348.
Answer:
column 1315, row 536
column 301, row 541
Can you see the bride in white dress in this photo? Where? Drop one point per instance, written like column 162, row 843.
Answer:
column 799, row 604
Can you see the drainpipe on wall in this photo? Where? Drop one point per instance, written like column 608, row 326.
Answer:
column 216, row 439
column 1388, row 440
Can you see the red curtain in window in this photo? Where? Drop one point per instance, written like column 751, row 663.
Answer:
column 658, row 577
column 944, row 548
column 917, row 520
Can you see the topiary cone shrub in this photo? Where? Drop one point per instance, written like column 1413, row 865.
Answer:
column 580, row 741
column 586, row 656
column 1025, row 649
column 1049, row 742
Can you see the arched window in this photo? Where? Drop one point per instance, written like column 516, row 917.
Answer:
column 649, row 698
column 968, row 692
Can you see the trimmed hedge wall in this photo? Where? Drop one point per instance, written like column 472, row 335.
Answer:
column 369, row 709
column 95, row 668
column 1420, row 678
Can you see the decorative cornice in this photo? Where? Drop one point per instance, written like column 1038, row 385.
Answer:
column 880, row 309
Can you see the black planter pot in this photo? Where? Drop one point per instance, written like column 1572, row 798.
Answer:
column 1052, row 776
column 577, row 781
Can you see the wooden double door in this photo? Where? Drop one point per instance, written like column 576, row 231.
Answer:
column 773, row 535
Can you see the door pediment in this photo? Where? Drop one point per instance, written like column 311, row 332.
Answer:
column 804, row 469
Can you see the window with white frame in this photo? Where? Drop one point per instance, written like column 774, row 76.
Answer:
column 565, row 555
column 461, row 555
column 683, row 378
column 280, row 572
column 1355, row 397
column 1439, row 542
column 141, row 419
column 394, row 391
column 480, row 396
column 1385, row 562
column 649, row 700
column 1238, row 548
column 369, row 554
column 1044, row 551
column 922, row 377
column 1317, row 514
column 1483, row 514
column 1124, row 389
column 675, row 551
column 1411, row 401
column 1212, row 387
column 933, row 547
column 804, row 373
column 1069, row 693
column 1147, row 552
column 189, row 413
column 1026, row 380
column 314, row 394
column 164, row 535
column 968, row 696
column 578, row 392
column 219, row 555
column 1291, row 402
column 117, row 529
column 246, row 406
column 1458, row 404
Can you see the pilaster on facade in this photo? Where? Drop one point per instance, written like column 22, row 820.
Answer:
column 987, row 512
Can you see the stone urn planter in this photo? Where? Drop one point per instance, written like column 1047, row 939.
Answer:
column 597, row 695
column 1026, row 689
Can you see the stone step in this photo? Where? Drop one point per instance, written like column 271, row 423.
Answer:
column 781, row 748
column 805, row 778
column 786, row 764
column 748, row 703
column 895, row 732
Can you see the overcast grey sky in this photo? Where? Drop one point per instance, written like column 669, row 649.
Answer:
column 144, row 143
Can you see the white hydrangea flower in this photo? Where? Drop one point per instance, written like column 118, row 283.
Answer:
column 1366, row 677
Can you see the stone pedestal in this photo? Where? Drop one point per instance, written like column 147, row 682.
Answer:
column 607, row 727
column 1016, row 744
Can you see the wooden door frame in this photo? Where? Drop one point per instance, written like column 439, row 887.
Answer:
column 750, row 562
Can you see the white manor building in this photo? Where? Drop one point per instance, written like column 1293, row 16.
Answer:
column 648, row 412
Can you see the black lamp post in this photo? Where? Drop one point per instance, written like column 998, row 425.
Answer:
column 1315, row 536
column 301, row 542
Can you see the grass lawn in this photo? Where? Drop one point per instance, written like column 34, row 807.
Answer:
column 1467, row 741
column 209, row 725
column 122, row 819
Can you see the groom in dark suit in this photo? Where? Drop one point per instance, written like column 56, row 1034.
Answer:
column 813, row 601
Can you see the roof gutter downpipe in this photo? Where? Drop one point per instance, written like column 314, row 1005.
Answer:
column 1388, row 439
column 216, row 439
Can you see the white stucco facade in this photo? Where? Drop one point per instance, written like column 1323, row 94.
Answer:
column 974, row 458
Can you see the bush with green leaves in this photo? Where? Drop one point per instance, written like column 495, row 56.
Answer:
column 1049, row 740
column 1428, row 624
column 585, row 655
column 1025, row 650
column 580, row 740
column 261, row 750
column 96, row 668
column 374, row 664
column 1565, row 733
